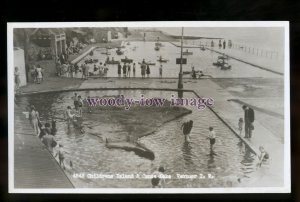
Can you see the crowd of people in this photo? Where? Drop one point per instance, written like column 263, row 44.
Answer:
column 222, row 44
column 144, row 68
column 46, row 131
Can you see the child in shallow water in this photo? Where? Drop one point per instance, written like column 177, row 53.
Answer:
column 212, row 138
column 156, row 181
column 263, row 157
column 61, row 156
column 240, row 125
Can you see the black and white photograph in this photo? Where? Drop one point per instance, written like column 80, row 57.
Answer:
column 149, row 107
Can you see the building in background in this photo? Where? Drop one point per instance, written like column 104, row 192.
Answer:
column 53, row 39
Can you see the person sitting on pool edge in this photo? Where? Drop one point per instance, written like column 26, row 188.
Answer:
column 263, row 157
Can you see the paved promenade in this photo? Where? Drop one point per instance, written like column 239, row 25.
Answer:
column 34, row 166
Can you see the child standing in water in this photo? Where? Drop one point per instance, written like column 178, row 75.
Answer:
column 157, row 181
column 212, row 138
column 240, row 125
column 69, row 115
column 186, row 129
column 61, row 156
column 263, row 157
column 80, row 103
column 34, row 119
column 88, row 104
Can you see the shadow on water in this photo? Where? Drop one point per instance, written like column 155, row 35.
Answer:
column 145, row 154
column 211, row 160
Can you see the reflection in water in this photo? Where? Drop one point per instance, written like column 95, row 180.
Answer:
column 187, row 154
column 180, row 94
column 211, row 160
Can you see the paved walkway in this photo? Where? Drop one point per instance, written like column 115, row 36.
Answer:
column 34, row 166
column 51, row 84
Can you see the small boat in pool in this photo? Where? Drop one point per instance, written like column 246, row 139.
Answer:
column 148, row 63
column 158, row 44
column 162, row 60
column 225, row 66
column 187, row 52
column 106, row 53
column 90, row 60
column 119, row 51
column 222, row 62
column 127, row 60
column 112, row 61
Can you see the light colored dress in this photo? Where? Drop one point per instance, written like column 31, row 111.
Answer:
column 39, row 73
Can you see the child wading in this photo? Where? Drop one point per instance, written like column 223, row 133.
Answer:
column 263, row 157
column 156, row 181
column 212, row 139
column 186, row 129
column 34, row 119
column 69, row 116
column 61, row 156
column 80, row 103
column 240, row 125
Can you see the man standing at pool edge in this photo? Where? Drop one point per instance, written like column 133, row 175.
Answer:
column 249, row 119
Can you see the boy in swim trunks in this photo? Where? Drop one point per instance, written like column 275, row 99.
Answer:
column 212, row 137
